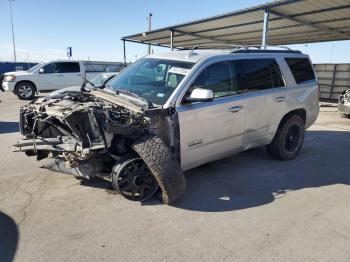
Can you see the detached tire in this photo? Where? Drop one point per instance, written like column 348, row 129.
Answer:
column 289, row 138
column 25, row 91
column 163, row 166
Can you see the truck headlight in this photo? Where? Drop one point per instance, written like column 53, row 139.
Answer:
column 9, row 78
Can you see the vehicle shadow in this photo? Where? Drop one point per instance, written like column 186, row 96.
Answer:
column 253, row 178
column 9, row 236
column 9, row 127
column 97, row 183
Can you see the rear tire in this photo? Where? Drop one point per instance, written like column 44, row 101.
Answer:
column 288, row 139
column 25, row 91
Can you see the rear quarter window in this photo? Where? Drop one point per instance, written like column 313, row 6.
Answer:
column 301, row 70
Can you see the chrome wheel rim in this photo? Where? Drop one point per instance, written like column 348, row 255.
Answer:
column 25, row 91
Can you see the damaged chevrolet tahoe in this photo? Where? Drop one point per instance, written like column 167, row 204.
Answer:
column 171, row 112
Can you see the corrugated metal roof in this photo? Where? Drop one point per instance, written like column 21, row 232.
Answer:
column 290, row 22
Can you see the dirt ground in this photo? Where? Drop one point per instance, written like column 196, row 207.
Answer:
column 248, row 207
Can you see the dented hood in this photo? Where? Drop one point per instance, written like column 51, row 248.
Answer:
column 126, row 101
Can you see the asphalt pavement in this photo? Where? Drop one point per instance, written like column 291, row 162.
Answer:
column 247, row 207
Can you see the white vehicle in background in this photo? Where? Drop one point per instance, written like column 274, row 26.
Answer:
column 54, row 75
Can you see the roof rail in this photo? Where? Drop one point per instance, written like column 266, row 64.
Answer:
column 243, row 48
column 219, row 45
column 267, row 46
column 240, row 47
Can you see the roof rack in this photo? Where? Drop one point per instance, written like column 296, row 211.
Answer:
column 219, row 45
column 239, row 46
column 245, row 48
column 266, row 49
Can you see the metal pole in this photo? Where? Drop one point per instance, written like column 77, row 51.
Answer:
column 149, row 29
column 13, row 34
column 172, row 40
column 265, row 28
column 333, row 81
column 124, row 52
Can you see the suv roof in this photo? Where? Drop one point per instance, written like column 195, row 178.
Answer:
column 194, row 55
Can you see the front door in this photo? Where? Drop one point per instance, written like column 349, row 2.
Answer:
column 47, row 78
column 214, row 129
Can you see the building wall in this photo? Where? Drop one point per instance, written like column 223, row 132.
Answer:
column 333, row 79
column 14, row 66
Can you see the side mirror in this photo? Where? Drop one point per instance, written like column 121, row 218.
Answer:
column 41, row 70
column 200, row 95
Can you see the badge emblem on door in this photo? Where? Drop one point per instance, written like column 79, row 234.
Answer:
column 195, row 142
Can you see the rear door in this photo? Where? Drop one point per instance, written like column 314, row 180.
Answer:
column 68, row 74
column 214, row 129
column 266, row 99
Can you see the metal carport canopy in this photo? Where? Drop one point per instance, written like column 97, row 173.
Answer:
column 274, row 23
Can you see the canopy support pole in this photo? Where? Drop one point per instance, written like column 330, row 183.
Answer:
column 265, row 28
column 124, row 50
column 172, row 39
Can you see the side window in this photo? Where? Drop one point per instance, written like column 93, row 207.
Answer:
column 49, row 68
column 260, row 74
column 218, row 78
column 301, row 70
column 67, row 67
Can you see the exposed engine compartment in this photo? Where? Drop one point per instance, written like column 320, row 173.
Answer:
column 81, row 130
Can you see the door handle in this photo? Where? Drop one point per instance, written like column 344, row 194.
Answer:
column 60, row 75
column 235, row 109
column 280, row 99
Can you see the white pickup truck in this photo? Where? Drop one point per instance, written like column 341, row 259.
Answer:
column 54, row 75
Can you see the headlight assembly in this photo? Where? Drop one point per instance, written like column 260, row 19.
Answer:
column 9, row 78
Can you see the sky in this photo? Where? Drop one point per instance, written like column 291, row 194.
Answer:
column 44, row 28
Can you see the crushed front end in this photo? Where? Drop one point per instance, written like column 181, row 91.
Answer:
column 101, row 135
column 81, row 130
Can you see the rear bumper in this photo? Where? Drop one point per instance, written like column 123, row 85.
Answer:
column 8, row 86
column 344, row 108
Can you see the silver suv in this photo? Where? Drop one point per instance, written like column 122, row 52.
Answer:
column 171, row 112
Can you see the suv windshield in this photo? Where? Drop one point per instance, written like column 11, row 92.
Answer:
column 152, row 79
column 100, row 80
column 34, row 67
